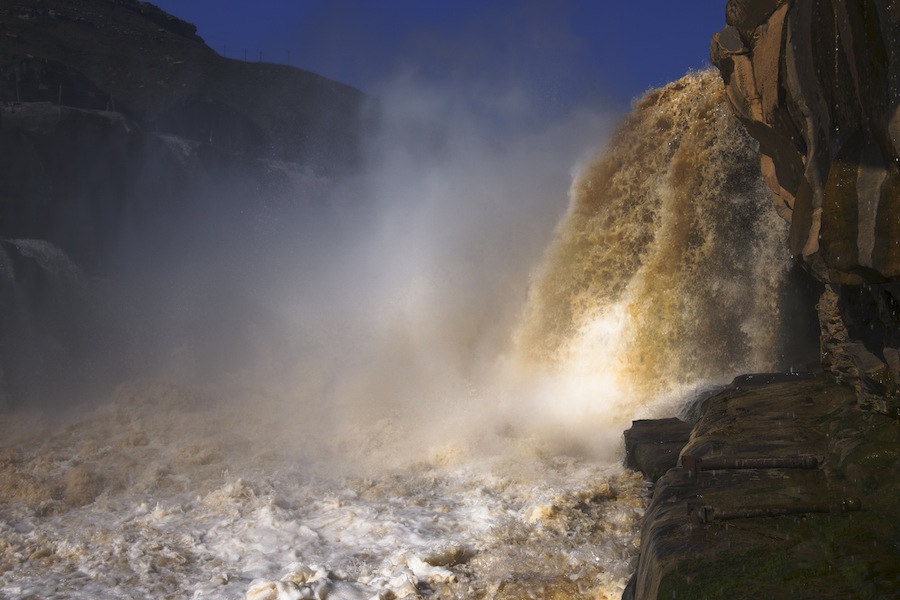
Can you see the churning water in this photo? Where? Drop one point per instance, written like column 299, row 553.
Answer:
column 498, row 482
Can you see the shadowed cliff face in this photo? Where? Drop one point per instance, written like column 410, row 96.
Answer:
column 129, row 149
column 131, row 57
column 112, row 109
column 816, row 83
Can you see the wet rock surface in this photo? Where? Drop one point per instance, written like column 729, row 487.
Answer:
column 814, row 516
column 815, row 82
column 652, row 446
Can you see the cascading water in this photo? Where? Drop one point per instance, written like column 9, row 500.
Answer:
column 665, row 272
column 663, row 275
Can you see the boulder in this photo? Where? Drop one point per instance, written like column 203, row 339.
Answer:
column 652, row 446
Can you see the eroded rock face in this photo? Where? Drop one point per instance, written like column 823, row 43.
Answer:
column 817, row 82
column 131, row 57
column 783, row 488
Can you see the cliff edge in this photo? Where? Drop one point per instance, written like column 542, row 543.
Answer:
column 816, row 82
column 131, row 57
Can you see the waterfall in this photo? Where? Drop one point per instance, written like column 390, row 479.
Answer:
column 666, row 268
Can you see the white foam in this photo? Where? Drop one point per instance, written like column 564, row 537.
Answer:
column 426, row 530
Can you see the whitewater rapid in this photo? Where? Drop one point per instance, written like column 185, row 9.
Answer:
column 140, row 500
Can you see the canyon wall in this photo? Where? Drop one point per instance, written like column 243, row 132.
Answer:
column 817, row 82
column 126, row 140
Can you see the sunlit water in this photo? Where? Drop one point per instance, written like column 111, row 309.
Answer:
column 507, row 484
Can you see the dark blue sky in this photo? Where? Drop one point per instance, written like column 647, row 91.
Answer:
column 569, row 51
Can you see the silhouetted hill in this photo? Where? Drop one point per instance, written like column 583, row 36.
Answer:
column 132, row 57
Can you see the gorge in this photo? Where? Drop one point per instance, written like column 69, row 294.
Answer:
column 263, row 336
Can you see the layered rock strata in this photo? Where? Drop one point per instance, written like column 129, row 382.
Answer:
column 817, row 82
column 131, row 57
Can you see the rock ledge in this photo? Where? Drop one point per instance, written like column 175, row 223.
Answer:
column 814, row 516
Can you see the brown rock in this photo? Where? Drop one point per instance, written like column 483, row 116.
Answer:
column 812, row 81
column 746, row 15
column 830, row 107
column 769, row 520
column 652, row 446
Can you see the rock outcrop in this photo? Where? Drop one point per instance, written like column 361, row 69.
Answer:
column 817, row 82
column 784, row 490
column 652, row 446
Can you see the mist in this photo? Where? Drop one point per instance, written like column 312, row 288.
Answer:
column 334, row 300
column 394, row 363
column 379, row 300
column 395, row 297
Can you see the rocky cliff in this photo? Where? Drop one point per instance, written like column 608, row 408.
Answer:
column 131, row 57
column 786, row 488
column 119, row 129
column 111, row 104
column 817, row 82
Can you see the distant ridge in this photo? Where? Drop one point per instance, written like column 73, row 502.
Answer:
column 134, row 58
